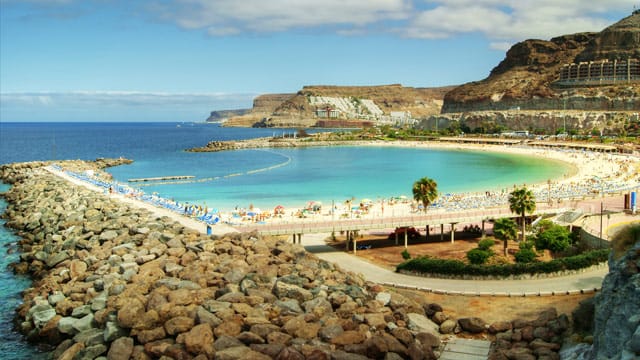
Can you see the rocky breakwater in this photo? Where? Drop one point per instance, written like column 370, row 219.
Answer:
column 117, row 282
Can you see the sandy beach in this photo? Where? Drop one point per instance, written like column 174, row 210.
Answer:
column 589, row 174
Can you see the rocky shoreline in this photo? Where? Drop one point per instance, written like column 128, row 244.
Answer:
column 114, row 281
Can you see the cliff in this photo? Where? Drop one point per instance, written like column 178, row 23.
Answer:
column 295, row 110
column 224, row 115
column 525, row 78
column 617, row 308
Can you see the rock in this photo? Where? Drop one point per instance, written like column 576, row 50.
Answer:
column 199, row 340
column 81, row 311
column 65, row 325
column 112, row 331
column 284, row 290
column 248, row 338
column 120, row 349
column 57, row 258
column 329, row 332
column 84, row 323
column 375, row 320
column 129, row 315
column 71, row 352
column 499, row 326
column 421, row 323
column 348, row 337
column 41, row 318
column 108, row 235
column 298, row 327
column 271, row 350
column 55, row 298
column 240, row 353
column 439, row 317
column 205, row 317
column 448, row 327
column 428, row 339
column 90, row 337
column 147, row 336
column 178, row 325
column 383, row 298
column 225, row 342
column 473, row 324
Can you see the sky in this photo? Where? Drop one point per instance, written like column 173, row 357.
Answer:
column 178, row 60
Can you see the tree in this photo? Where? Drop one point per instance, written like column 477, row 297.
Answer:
column 521, row 202
column 425, row 191
column 505, row 229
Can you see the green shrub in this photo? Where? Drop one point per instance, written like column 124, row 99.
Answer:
column 555, row 238
column 478, row 256
column 525, row 255
column 456, row 267
column 406, row 255
column 486, row 244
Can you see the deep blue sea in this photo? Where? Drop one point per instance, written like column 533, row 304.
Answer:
column 263, row 178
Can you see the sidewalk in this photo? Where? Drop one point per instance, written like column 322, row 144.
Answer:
column 585, row 282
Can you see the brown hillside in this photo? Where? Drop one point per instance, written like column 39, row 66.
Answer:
column 524, row 79
column 295, row 110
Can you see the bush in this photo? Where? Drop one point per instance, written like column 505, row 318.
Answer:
column 486, row 244
column 554, row 238
column 525, row 256
column 478, row 256
column 405, row 254
column 456, row 267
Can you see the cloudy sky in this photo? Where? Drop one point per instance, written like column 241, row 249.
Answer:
column 177, row 60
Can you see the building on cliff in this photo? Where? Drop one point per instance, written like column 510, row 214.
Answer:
column 603, row 72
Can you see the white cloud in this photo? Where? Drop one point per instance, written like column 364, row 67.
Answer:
column 509, row 21
column 280, row 15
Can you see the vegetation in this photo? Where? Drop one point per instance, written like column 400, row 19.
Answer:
column 429, row 265
column 551, row 236
column 425, row 191
column 405, row 254
column 526, row 254
column 521, row 202
column 505, row 229
column 625, row 238
column 478, row 256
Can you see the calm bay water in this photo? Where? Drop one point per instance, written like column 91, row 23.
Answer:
column 264, row 178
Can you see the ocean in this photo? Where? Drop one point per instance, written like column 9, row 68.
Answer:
column 263, row 177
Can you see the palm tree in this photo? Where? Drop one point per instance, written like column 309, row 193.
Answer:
column 425, row 191
column 505, row 229
column 521, row 202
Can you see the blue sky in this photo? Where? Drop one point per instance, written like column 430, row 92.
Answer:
column 177, row 60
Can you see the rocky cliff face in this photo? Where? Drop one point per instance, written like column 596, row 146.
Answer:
column 294, row 110
column 617, row 42
column 223, row 115
column 549, row 122
column 617, row 309
column 525, row 77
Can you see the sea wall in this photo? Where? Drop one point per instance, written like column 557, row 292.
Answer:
column 583, row 122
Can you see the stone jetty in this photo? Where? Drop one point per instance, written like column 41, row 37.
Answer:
column 113, row 281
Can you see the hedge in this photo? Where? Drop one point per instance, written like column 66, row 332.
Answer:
column 455, row 267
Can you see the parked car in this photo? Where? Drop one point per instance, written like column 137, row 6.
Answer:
column 412, row 233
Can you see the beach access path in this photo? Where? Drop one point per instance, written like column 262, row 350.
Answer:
column 587, row 281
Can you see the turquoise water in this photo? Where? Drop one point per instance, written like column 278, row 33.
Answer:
column 292, row 177
column 13, row 346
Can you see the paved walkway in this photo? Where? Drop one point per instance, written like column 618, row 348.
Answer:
column 466, row 349
column 584, row 282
